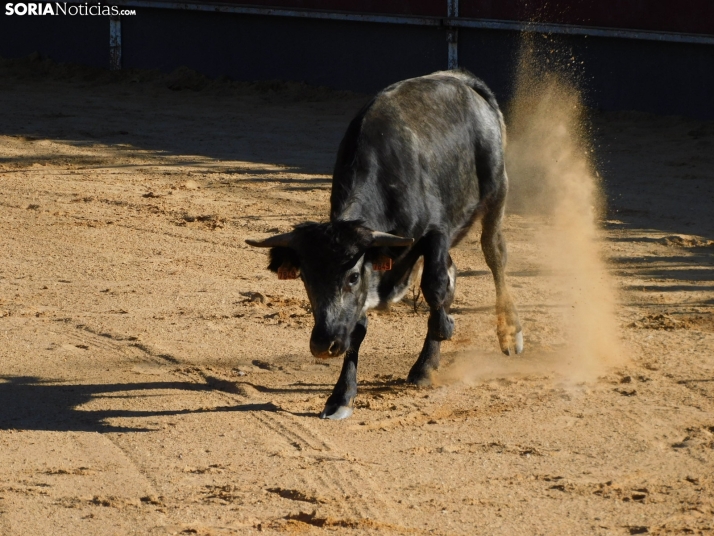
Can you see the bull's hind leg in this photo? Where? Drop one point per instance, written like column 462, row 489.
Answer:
column 510, row 334
column 339, row 405
column 438, row 284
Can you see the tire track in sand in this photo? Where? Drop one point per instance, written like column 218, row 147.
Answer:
column 330, row 474
column 341, row 475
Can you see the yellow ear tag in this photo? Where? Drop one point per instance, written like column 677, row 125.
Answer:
column 287, row 271
column 382, row 264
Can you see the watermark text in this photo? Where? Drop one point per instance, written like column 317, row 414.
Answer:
column 63, row 8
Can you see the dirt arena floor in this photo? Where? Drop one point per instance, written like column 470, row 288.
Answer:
column 156, row 378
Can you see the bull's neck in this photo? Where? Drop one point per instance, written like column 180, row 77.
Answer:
column 351, row 210
column 357, row 196
column 355, row 208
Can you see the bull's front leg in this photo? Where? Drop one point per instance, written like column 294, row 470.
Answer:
column 438, row 284
column 339, row 405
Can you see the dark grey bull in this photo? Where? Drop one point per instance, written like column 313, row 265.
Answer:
column 418, row 166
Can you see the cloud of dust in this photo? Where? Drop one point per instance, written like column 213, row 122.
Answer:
column 554, row 185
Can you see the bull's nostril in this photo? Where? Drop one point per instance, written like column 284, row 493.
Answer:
column 332, row 350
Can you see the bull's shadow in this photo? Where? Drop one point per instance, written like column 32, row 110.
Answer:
column 31, row 403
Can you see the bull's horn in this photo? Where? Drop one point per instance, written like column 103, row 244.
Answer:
column 281, row 240
column 380, row 239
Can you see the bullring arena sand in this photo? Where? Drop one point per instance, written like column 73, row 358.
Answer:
column 156, row 379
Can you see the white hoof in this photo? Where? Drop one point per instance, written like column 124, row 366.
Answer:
column 519, row 342
column 340, row 413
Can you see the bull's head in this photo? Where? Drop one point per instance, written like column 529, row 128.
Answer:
column 335, row 261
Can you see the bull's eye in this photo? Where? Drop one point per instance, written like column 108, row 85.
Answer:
column 353, row 278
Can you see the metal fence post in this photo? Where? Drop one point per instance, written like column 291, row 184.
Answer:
column 452, row 34
column 115, row 42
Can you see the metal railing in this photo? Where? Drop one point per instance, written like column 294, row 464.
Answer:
column 452, row 22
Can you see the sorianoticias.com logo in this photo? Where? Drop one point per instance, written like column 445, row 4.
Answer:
column 63, row 8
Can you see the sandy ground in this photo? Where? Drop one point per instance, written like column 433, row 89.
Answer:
column 156, row 379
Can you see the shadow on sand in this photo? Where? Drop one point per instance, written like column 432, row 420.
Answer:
column 31, row 403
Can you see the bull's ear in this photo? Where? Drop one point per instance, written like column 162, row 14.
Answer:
column 380, row 239
column 281, row 240
column 285, row 259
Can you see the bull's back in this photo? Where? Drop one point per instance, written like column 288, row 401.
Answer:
column 414, row 153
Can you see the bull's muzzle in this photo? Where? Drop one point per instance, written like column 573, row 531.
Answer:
column 324, row 347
